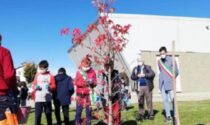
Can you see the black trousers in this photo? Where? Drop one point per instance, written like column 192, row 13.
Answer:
column 39, row 107
column 65, row 110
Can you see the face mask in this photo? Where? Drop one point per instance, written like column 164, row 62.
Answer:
column 163, row 56
column 141, row 63
column 85, row 68
column 42, row 71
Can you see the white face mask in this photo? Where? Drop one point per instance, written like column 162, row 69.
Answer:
column 163, row 56
column 85, row 68
column 141, row 63
column 42, row 71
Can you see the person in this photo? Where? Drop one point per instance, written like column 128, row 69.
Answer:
column 43, row 86
column 62, row 95
column 116, row 92
column 85, row 81
column 165, row 64
column 8, row 83
column 143, row 75
column 125, row 94
column 23, row 93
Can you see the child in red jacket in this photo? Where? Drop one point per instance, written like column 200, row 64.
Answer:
column 44, row 84
column 85, row 81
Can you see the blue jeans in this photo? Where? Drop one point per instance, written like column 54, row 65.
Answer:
column 79, row 113
column 165, row 95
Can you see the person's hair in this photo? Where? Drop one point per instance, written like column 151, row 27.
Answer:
column 86, row 60
column 23, row 84
column 163, row 48
column 62, row 70
column 43, row 64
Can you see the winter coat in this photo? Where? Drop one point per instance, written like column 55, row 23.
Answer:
column 7, row 72
column 84, row 83
column 149, row 76
column 43, row 86
column 64, row 89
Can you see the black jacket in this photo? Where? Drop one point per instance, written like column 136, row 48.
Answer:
column 149, row 75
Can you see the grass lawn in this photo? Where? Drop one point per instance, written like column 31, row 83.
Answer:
column 191, row 113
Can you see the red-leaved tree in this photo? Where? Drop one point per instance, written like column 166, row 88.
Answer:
column 110, row 38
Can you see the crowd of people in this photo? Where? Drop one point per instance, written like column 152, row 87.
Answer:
column 59, row 89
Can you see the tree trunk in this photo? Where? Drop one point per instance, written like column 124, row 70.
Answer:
column 176, row 117
column 110, row 121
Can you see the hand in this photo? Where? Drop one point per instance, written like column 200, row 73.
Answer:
column 38, row 88
column 47, row 87
column 141, row 75
column 90, row 82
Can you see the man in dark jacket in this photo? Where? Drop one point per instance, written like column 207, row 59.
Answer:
column 143, row 76
column 8, row 84
column 62, row 96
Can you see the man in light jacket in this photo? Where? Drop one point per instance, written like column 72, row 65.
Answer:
column 165, row 64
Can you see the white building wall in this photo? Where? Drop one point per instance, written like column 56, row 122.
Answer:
column 20, row 73
column 149, row 32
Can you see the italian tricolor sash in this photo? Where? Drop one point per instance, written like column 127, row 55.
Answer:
column 83, row 73
column 165, row 68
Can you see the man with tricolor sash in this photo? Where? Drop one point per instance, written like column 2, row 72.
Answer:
column 165, row 64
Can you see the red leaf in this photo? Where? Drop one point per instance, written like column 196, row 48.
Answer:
column 76, row 32
column 91, row 27
column 100, row 39
column 65, row 31
column 102, row 19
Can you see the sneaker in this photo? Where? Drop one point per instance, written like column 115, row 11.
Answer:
column 151, row 117
column 140, row 117
column 168, row 119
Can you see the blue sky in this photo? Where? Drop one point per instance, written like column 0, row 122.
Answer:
column 31, row 28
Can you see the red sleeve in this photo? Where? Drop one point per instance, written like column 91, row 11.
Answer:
column 79, row 81
column 52, row 83
column 9, row 70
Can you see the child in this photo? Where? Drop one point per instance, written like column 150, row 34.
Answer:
column 62, row 95
column 23, row 93
column 44, row 84
column 85, row 81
